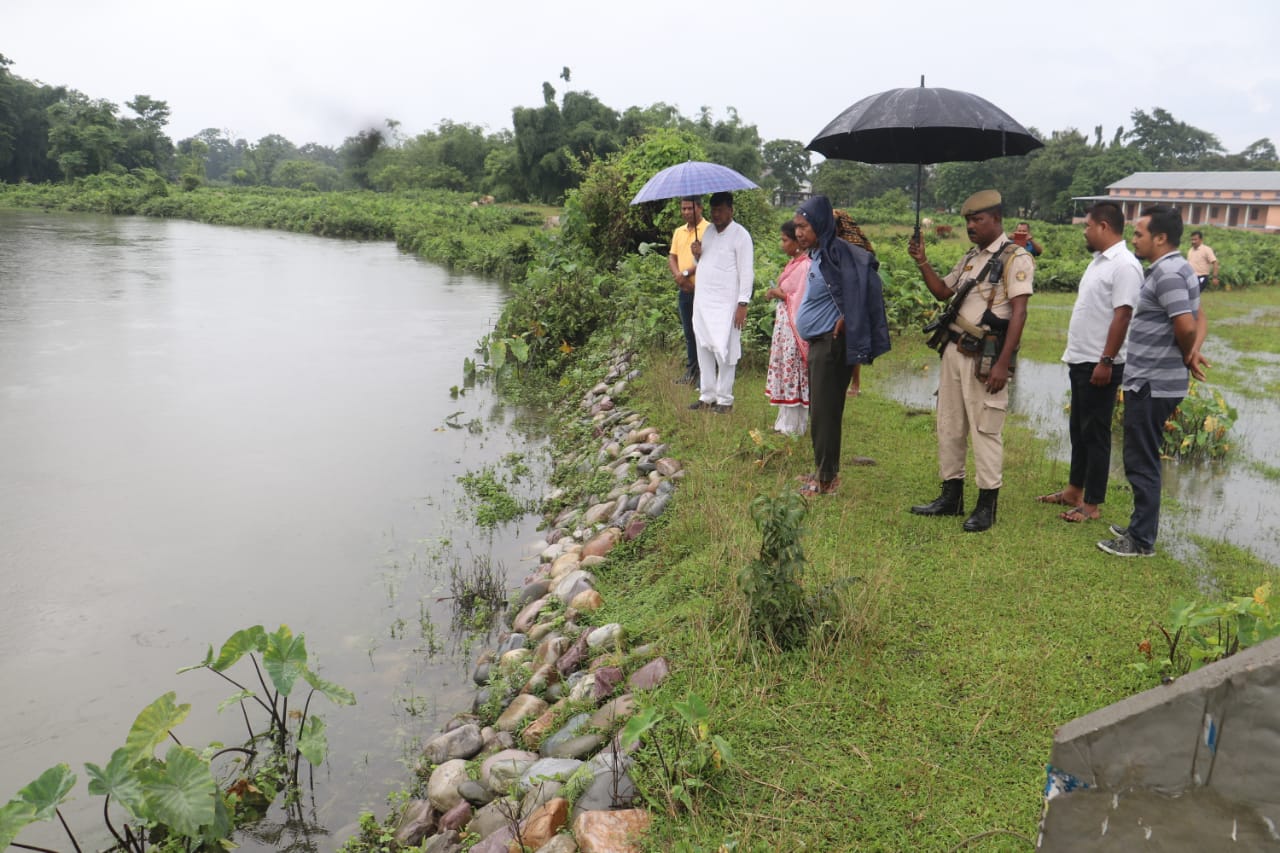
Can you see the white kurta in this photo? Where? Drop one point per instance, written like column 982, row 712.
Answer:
column 726, row 272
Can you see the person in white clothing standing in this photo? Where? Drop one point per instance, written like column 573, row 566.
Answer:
column 726, row 275
column 1095, row 356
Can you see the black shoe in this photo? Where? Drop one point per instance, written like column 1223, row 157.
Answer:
column 984, row 514
column 697, row 405
column 690, row 378
column 1118, row 531
column 1123, row 546
column 950, row 502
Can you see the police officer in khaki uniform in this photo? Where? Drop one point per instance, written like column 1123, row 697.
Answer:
column 972, row 408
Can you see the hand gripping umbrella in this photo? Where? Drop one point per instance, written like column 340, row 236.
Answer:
column 693, row 177
column 922, row 125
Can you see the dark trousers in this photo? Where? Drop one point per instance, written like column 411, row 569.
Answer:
column 685, row 306
column 1090, row 426
column 828, row 381
column 1144, row 419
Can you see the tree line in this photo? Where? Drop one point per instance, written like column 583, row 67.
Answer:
column 54, row 133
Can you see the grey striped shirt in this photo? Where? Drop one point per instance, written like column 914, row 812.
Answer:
column 1169, row 289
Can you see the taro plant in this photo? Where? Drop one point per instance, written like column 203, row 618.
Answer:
column 779, row 611
column 186, row 799
column 1198, row 429
column 692, row 760
column 1198, row 633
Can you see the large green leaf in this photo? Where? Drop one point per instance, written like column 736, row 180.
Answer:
column 312, row 742
column 285, row 658
column 519, row 348
column 336, row 694
column 49, row 791
column 181, row 793
column 208, row 659
column 14, row 816
column 234, row 699
column 497, row 353
column 118, row 781
column 240, row 644
column 153, row 725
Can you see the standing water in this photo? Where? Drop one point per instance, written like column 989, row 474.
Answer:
column 204, row 429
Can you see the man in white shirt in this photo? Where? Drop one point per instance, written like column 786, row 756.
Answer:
column 726, row 275
column 1095, row 358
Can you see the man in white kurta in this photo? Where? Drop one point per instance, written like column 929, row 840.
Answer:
column 726, row 272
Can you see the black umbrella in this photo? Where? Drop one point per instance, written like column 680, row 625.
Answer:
column 922, row 125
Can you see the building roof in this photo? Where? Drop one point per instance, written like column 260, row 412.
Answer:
column 1197, row 181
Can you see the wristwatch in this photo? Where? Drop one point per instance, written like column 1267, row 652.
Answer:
column 742, row 305
column 1108, row 360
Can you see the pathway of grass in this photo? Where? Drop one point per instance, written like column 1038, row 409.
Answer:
column 925, row 716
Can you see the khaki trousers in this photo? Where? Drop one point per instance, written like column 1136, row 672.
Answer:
column 967, row 412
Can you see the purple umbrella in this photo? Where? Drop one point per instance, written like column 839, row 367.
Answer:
column 693, row 177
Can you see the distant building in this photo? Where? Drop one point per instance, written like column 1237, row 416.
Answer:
column 1227, row 199
column 793, row 198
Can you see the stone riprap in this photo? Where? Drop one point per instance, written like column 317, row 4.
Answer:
column 554, row 693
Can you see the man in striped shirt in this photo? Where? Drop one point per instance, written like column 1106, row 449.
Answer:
column 1164, row 344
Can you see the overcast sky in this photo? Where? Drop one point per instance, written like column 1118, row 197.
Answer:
column 320, row 71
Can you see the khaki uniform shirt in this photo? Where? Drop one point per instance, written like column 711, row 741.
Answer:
column 1020, row 269
column 1202, row 259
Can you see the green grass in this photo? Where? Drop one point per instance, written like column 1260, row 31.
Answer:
column 926, row 715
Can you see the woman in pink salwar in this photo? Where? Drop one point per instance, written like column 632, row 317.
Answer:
column 787, row 382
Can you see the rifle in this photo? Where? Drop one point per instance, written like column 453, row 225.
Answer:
column 940, row 327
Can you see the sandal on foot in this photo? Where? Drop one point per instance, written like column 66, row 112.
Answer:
column 817, row 487
column 1078, row 515
column 1059, row 498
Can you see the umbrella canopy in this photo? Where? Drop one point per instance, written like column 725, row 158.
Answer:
column 693, row 177
column 923, row 125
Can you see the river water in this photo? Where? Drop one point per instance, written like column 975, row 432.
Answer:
column 204, row 429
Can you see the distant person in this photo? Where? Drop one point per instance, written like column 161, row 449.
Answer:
column 1164, row 344
column 1095, row 359
column 1203, row 261
column 842, row 316
column 727, row 263
column 1022, row 236
column 996, row 278
column 684, row 269
column 787, row 380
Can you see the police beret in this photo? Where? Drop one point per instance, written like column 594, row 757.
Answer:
column 980, row 201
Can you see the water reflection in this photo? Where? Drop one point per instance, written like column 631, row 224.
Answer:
column 1230, row 501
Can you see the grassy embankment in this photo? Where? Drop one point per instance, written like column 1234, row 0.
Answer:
column 927, row 716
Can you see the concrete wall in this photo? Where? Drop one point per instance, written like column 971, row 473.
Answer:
column 1193, row 765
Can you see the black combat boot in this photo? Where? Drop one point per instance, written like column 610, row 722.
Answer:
column 984, row 514
column 950, row 502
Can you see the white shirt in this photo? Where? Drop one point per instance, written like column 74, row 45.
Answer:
column 1112, row 279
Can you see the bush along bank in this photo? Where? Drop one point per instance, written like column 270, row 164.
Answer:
column 542, row 763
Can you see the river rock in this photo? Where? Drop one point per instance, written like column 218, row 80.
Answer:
column 592, row 561
column 543, row 824
column 539, row 795
column 597, row 514
column 571, row 729
column 512, row 660
column 572, row 584
column 550, row 648
column 416, row 823
column 457, row 817
column 497, row 842
column 442, row 787
column 532, row 592
column 515, row 640
column 634, row 528
column 490, row 818
column 587, row 601
column 463, row 742
column 562, row 565
column 529, row 613
column 611, row 785
column 481, row 675
column 537, row 730
column 539, row 632
column 606, row 637
column 548, row 769
column 578, row 747
column 523, row 706
column 444, row 842
column 658, row 505
column 475, row 793
column 501, row 769
column 571, row 660
column 614, row 711
column 611, row 832
column 581, row 689
column 602, row 543
column 607, row 679
column 650, row 675
column 562, row 843
column 667, row 466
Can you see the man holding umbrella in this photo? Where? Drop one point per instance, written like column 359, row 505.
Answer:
column 726, row 277
column 992, row 284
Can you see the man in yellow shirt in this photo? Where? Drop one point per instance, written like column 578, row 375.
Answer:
column 1203, row 261
column 683, row 266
